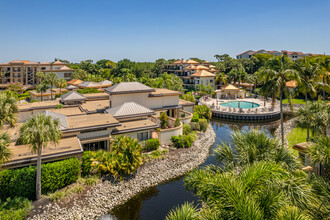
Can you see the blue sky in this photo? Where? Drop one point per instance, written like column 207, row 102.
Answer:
column 147, row 30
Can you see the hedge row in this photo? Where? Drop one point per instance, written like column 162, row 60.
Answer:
column 22, row 182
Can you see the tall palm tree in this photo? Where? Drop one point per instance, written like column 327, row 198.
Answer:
column 305, row 118
column 308, row 72
column 51, row 78
column 237, row 72
column 320, row 153
column 8, row 109
column 4, row 151
column 61, row 83
column 276, row 73
column 41, row 77
column 42, row 87
column 38, row 131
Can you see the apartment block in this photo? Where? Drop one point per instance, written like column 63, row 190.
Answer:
column 24, row 71
column 293, row 55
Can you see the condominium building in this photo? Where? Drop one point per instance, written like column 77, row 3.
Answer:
column 93, row 121
column 293, row 55
column 24, row 71
column 192, row 72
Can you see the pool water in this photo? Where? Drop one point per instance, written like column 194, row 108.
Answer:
column 240, row 104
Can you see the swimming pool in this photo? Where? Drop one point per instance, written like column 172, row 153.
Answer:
column 240, row 104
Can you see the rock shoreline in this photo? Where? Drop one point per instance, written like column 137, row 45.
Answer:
column 287, row 127
column 102, row 198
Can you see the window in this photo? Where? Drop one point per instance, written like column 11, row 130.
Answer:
column 101, row 145
column 67, row 74
column 43, row 68
column 142, row 136
column 211, row 80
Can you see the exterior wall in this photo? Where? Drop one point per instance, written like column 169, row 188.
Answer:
column 95, row 134
column 155, row 102
column 140, row 98
column 189, row 109
column 205, row 81
column 164, row 135
column 170, row 100
column 134, row 134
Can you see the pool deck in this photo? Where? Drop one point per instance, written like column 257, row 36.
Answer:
column 264, row 111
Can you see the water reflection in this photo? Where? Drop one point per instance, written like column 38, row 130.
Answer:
column 156, row 202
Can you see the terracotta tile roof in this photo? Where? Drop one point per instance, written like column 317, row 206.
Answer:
column 58, row 62
column 256, row 51
column 230, row 87
column 74, row 82
column 201, row 67
column 190, row 62
column 179, row 61
column 248, row 51
column 202, row 73
column 291, row 84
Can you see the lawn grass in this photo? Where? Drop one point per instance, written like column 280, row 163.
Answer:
column 297, row 135
column 295, row 101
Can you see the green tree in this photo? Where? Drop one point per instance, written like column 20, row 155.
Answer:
column 79, row 74
column 42, row 87
column 163, row 120
column 308, row 72
column 276, row 73
column 8, row 109
column 305, row 118
column 237, row 72
column 320, row 153
column 38, row 131
column 51, row 78
column 188, row 97
column 159, row 66
column 4, row 150
column 61, row 83
column 203, row 111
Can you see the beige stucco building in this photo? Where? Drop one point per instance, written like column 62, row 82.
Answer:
column 24, row 71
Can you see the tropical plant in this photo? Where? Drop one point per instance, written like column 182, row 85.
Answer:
column 177, row 122
column 305, row 118
column 185, row 212
column 276, row 73
column 237, row 72
column 203, row 111
column 41, row 87
column 79, row 74
column 38, row 131
column 163, row 120
column 320, row 153
column 51, row 78
column 308, row 71
column 188, row 97
column 4, row 151
column 8, row 108
column 61, row 83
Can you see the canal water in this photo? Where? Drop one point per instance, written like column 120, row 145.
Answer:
column 155, row 202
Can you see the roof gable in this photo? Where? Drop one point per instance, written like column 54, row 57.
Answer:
column 73, row 96
column 129, row 87
column 129, row 109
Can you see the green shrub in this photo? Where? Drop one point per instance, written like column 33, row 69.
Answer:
column 182, row 141
column 33, row 100
column 88, row 90
column 163, row 120
column 195, row 126
column 188, row 97
column 58, row 106
column 203, row 124
column 177, row 122
column 183, row 115
column 186, row 129
column 21, row 182
column 203, row 112
column 151, row 144
column 86, row 162
column 195, row 118
column 16, row 208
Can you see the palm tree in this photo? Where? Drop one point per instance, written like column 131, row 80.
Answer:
column 8, row 108
column 41, row 77
column 61, row 83
column 51, row 78
column 276, row 73
column 320, row 153
column 237, row 72
column 4, row 151
column 42, row 87
column 38, row 131
column 308, row 72
column 305, row 118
